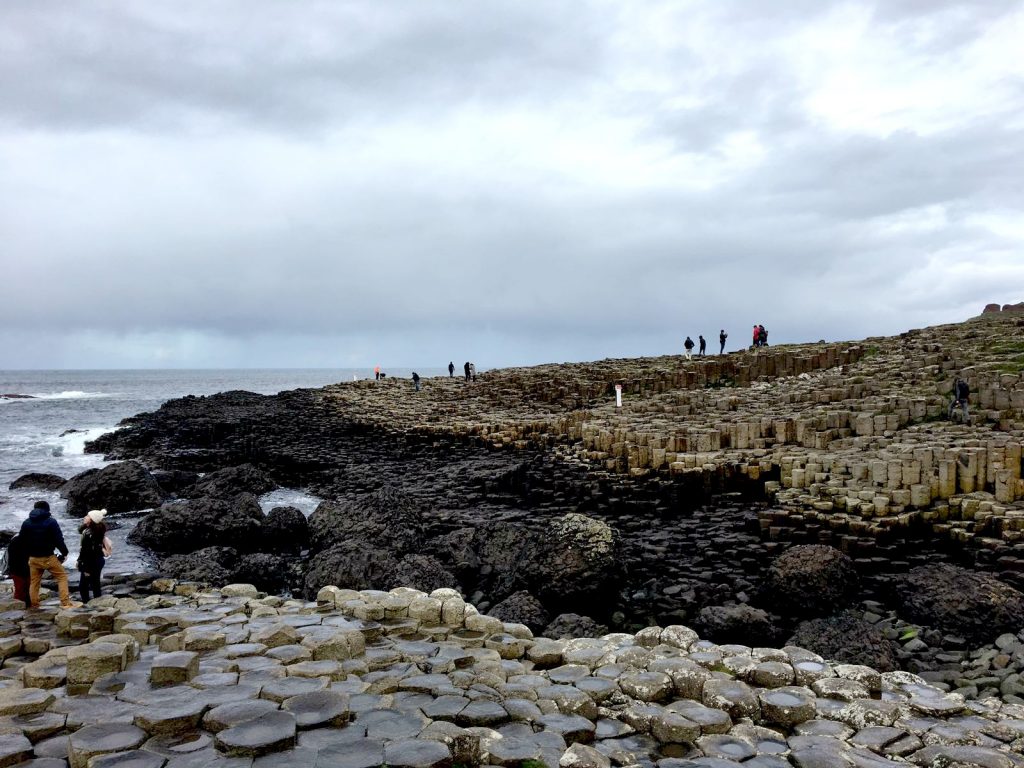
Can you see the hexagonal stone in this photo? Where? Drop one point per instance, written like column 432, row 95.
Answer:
column 86, row 663
column 172, row 719
column 416, row 753
column 787, row 706
column 726, row 747
column 482, row 713
column 673, row 728
column 14, row 748
column 173, row 668
column 445, row 707
column 185, row 745
column 105, row 738
column 731, row 696
column 647, row 686
column 267, row 733
column 390, row 724
column 36, row 726
column 318, row 709
column 236, row 713
column 570, row 700
column 512, row 752
column 24, row 701
column 597, row 688
column 582, row 756
column 328, row 668
column 572, row 728
column 772, row 674
column 136, row 758
column 286, row 687
column 356, row 753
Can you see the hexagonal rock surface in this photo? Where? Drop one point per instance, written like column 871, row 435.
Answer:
column 174, row 667
column 416, row 753
column 94, row 740
column 317, row 709
column 136, row 758
column 24, row 701
column 236, row 713
column 267, row 733
column 14, row 748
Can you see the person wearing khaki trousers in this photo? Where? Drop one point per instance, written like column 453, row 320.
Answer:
column 41, row 535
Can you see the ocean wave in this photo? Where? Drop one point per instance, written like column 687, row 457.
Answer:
column 73, row 443
column 73, row 394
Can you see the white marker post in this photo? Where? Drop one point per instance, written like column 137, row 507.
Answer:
column 618, row 395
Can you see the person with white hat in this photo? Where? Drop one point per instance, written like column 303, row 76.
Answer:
column 95, row 548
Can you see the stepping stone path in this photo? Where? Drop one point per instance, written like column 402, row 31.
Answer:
column 661, row 697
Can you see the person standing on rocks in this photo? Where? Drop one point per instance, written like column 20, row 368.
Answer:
column 451, row 370
column 688, row 344
column 757, row 337
column 722, row 336
column 376, row 373
column 472, row 371
column 961, row 393
column 416, row 380
column 465, row 368
column 92, row 554
column 42, row 535
column 703, row 346
column 17, row 567
column 762, row 336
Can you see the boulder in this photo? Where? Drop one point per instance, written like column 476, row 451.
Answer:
column 742, row 624
column 231, row 481
column 846, row 638
column 184, row 526
column 387, row 518
column 123, row 487
column 989, row 308
column 570, row 625
column 210, row 565
column 267, row 572
column 522, row 608
column 810, row 580
column 357, row 565
column 975, row 606
column 37, row 481
column 175, row 481
column 285, row 529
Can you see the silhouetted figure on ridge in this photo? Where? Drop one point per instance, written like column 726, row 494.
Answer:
column 722, row 336
column 703, row 346
column 451, row 370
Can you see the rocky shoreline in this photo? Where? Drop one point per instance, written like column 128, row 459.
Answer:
column 171, row 674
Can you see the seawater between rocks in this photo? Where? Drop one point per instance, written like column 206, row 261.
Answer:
column 47, row 431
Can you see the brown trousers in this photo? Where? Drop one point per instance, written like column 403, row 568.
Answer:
column 36, row 567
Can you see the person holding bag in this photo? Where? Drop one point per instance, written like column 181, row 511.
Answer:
column 95, row 548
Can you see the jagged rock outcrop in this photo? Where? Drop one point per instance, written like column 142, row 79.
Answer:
column 37, row 481
column 229, row 482
column 175, row 482
column 359, row 565
column 285, row 529
column 268, row 572
column 975, row 606
column 123, row 487
column 742, row 624
column 848, row 639
column 387, row 518
column 570, row 625
column 810, row 580
column 179, row 526
column 522, row 608
column 209, row 565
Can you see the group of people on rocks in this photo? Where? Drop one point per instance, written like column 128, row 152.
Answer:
column 688, row 345
column 30, row 554
column 760, row 336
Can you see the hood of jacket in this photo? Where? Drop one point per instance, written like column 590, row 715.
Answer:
column 38, row 514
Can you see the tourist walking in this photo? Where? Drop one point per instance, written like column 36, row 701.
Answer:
column 416, row 380
column 17, row 567
column 465, row 368
column 722, row 336
column 41, row 535
column 451, row 370
column 376, row 373
column 961, row 393
column 762, row 336
column 94, row 549
column 703, row 346
column 757, row 336
column 472, row 371
column 688, row 344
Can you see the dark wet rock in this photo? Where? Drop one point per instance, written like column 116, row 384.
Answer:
column 285, row 529
column 810, row 580
column 522, row 608
column 318, row 708
column 573, row 625
column 975, row 606
column 236, row 713
column 105, row 738
column 388, row 518
column 123, row 487
column 210, row 565
column 175, row 481
column 182, row 525
column 736, row 624
column 37, row 481
column 847, row 638
column 355, row 753
column 229, row 482
column 416, row 753
column 136, row 758
column 269, row 573
column 356, row 565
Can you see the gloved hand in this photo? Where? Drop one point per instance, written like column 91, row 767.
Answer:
column 60, row 558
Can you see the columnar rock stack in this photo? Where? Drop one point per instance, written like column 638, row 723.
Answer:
column 196, row 677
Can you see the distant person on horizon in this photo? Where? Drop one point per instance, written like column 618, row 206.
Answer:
column 762, row 336
column 465, row 368
column 376, row 373
column 93, row 553
column 722, row 336
column 757, row 336
column 688, row 344
column 472, row 371
column 42, row 535
column 961, row 393
column 451, row 370
column 703, row 346
column 416, row 380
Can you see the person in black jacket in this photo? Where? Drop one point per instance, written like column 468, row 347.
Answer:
column 17, row 567
column 41, row 535
column 92, row 553
column 451, row 369
column 961, row 393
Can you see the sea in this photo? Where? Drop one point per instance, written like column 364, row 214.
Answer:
column 47, row 431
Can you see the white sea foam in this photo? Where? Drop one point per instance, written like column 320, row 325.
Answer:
column 288, row 497
column 73, row 444
column 71, row 394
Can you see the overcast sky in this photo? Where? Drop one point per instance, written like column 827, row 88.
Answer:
column 255, row 183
